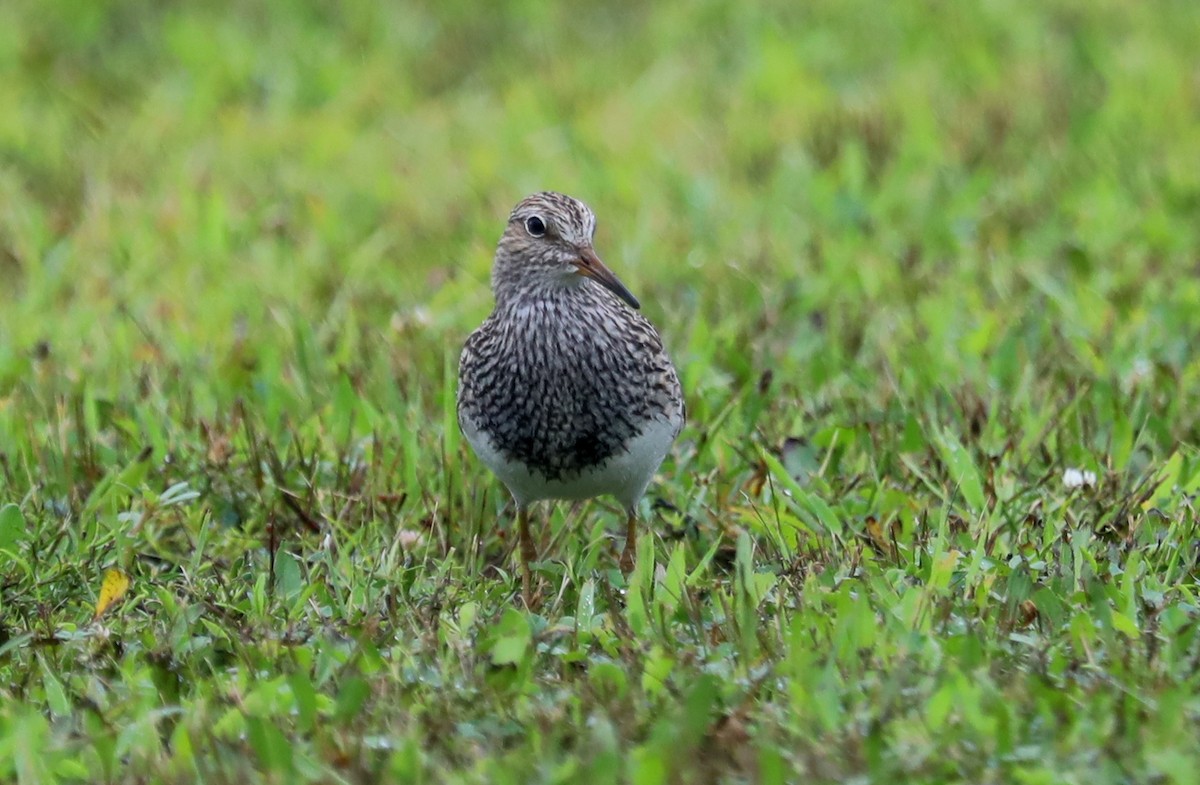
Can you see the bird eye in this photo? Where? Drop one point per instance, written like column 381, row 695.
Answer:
column 535, row 226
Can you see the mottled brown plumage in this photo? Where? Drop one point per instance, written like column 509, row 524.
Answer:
column 565, row 391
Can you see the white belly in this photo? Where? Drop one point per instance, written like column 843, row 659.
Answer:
column 624, row 476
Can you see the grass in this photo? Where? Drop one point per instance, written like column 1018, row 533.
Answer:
column 913, row 261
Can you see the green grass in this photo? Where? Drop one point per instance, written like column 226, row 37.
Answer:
column 913, row 261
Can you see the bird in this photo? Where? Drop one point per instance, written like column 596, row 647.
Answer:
column 565, row 392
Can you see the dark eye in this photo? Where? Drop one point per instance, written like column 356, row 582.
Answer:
column 535, row 226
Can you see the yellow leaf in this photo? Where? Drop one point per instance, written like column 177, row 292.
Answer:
column 881, row 540
column 112, row 588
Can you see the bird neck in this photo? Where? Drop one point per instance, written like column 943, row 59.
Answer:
column 569, row 291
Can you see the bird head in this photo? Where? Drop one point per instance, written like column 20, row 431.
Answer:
column 548, row 242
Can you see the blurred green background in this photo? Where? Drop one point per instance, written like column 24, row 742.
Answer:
column 190, row 167
column 913, row 261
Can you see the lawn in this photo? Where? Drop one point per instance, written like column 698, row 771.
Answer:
column 930, row 273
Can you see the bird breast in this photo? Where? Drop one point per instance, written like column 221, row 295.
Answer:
column 560, row 388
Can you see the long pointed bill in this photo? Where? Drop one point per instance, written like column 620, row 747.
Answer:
column 590, row 265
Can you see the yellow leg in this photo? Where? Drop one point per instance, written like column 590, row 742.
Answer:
column 627, row 556
column 528, row 554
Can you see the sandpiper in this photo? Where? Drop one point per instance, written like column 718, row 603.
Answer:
column 565, row 390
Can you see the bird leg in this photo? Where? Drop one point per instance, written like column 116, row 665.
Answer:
column 627, row 556
column 528, row 554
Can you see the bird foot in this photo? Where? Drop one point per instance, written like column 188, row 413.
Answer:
column 626, row 561
column 531, row 593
